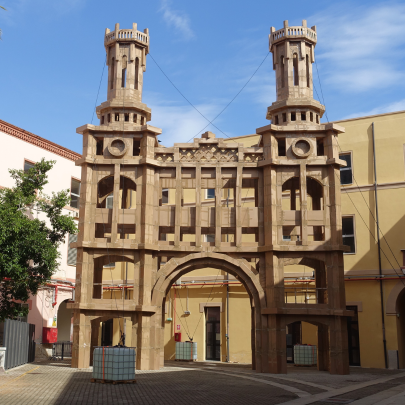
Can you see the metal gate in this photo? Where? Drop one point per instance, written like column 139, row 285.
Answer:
column 18, row 338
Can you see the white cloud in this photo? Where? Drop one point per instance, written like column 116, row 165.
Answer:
column 182, row 123
column 361, row 50
column 176, row 19
column 391, row 107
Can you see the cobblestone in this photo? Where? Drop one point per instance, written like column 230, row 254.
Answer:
column 56, row 383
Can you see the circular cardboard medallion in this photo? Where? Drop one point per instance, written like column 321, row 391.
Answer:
column 302, row 148
column 118, row 147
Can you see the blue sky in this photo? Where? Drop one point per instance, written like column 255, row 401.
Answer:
column 52, row 57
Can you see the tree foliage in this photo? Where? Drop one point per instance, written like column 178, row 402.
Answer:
column 29, row 246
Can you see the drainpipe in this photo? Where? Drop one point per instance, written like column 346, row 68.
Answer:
column 55, row 300
column 379, row 251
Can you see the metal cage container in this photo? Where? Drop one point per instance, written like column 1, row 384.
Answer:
column 114, row 363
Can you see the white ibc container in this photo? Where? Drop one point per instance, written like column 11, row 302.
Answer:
column 114, row 363
column 186, row 351
column 305, row 355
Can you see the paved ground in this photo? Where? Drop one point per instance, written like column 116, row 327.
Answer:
column 201, row 383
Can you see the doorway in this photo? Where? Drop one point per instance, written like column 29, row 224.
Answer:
column 213, row 334
column 293, row 338
column 353, row 336
column 107, row 333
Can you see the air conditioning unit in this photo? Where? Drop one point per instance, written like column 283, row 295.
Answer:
column 178, row 282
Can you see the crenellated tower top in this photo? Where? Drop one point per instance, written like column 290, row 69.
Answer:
column 293, row 56
column 126, row 60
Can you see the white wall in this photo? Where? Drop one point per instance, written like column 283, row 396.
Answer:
column 59, row 179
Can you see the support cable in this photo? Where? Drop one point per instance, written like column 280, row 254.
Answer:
column 230, row 102
column 361, row 193
column 182, row 308
column 216, row 278
column 102, row 215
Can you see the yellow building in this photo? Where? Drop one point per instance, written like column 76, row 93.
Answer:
column 208, row 305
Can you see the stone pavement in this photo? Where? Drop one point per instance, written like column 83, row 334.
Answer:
column 201, row 383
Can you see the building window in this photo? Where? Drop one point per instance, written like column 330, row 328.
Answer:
column 137, row 74
column 99, row 147
column 74, row 193
column 286, row 237
column 295, row 69
column 307, row 66
column 282, row 71
column 112, row 74
column 165, row 196
column 348, row 233
column 72, row 252
column 28, row 165
column 346, row 173
column 124, row 72
column 109, row 201
column 210, row 238
column 209, row 193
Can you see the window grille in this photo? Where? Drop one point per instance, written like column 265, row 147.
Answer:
column 72, row 252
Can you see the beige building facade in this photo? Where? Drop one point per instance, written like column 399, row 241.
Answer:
column 364, row 283
column 133, row 245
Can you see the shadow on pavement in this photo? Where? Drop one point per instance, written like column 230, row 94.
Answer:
column 172, row 386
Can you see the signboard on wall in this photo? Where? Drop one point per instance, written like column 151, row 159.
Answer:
column 178, row 327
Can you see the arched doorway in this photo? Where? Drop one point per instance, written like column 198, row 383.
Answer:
column 64, row 322
column 211, row 307
column 210, row 311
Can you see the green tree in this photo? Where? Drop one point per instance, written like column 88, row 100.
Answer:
column 29, row 246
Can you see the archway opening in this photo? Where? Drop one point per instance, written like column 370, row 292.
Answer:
column 127, row 193
column 65, row 322
column 114, row 278
column 308, row 344
column 214, row 303
column 213, row 308
column 305, row 282
column 110, row 331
